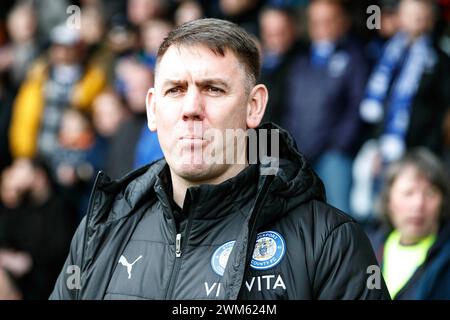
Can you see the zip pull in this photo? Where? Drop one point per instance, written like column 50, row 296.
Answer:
column 178, row 246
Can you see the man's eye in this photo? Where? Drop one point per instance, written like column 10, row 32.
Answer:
column 214, row 90
column 173, row 91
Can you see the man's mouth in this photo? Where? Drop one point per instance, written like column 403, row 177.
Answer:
column 192, row 141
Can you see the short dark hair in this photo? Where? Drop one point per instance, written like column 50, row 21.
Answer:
column 218, row 35
column 429, row 166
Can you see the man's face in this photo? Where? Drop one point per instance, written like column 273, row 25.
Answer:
column 326, row 22
column 137, row 82
column 196, row 91
column 416, row 18
column 277, row 32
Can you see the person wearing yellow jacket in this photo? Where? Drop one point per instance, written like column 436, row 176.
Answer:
column 32, row 99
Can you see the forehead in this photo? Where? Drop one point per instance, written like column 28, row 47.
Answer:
column 411, row 175
column 324, row 9
column 196, row 61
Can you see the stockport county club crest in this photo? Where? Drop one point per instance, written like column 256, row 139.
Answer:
column 220, row 257
column 269, row 250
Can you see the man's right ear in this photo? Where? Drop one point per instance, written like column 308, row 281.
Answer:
column 151, row 110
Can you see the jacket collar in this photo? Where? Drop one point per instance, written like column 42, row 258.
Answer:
column 209, row 201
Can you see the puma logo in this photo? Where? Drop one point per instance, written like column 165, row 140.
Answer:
column 123, row 261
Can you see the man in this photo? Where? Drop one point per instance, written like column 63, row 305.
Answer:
column 133, row 145
column 407, row 95
column 184, row 228
column 279, row 46
column 324, row 87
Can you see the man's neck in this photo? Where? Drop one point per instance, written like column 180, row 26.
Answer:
column 180, row 184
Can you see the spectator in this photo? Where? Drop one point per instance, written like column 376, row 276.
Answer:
column 24, row 46
column 122, row 40
column 122, row 37
column 79, row 155
column 36, row 225
column 141, row 11
column 278, row 35
column 278, row 45
column 153, row 33
column 93, row 27
column 188, row 10
column 413, row 244
column 407, row 95
column 51, row 86
column 133, row 145
column 324, row 89
column 76, row 158
column 108, row 113
column 93, row 34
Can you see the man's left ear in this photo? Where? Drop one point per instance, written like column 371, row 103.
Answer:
column 256, row 105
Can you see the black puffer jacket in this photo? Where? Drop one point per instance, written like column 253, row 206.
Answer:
column 280, row 239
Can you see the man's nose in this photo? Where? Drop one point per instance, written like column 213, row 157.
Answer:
column 193, row 105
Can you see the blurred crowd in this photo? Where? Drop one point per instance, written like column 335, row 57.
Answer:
column 358, row 100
